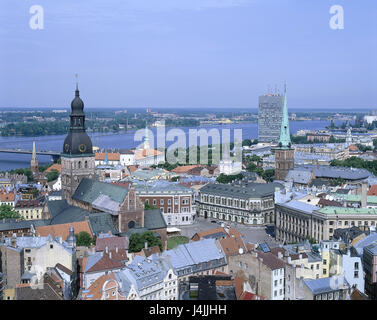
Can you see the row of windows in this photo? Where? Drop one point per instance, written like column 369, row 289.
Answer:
column 176, row 202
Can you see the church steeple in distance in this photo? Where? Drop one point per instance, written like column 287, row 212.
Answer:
column 284, row 153
column 285, row 136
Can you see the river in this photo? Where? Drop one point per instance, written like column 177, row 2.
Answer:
column 122, row 141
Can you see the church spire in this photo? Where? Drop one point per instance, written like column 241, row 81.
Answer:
column 77, row 92
column 285, row 137
column 34, row 160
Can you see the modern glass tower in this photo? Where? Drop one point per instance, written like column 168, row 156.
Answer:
column 269, row 117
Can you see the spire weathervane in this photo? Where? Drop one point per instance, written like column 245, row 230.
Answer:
column 77, row 81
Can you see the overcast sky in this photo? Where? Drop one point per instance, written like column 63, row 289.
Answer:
column 188, row 53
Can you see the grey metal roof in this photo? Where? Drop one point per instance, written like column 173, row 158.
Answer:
column 161, row 187
column 13, row 224
column 153, row 219
column 372, row 248
column 299, row 176
column 189, row 254
column 360, row 245
column 243, row 191
column 300, row 206
column 102, row 223
column 337, row 172
column 324, row 285
column 106, row 204
column 89, row 190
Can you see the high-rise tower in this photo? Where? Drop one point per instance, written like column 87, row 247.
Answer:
column 284, row 153
column 269, row 117
column 77, row 156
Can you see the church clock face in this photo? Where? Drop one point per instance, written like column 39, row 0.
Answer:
column 66, row 147
column 82, row 148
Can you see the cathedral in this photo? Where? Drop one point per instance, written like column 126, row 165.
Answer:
column 108, row 207
column 77, row 156
column 284, row 153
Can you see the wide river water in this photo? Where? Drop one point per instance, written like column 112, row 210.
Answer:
column 122, row 140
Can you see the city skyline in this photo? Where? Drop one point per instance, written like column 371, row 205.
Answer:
column 188, row 54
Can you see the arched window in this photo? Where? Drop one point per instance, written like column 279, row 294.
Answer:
column 79, row 165
column 86, row 164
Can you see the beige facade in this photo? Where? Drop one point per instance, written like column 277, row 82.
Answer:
column 74, row 169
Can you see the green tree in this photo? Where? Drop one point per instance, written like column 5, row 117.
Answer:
column 137, row 241
column 52, row 175
column 6, row 212
column 268, row 175
column 223, row 178
column 84, row 239
column 148, row 206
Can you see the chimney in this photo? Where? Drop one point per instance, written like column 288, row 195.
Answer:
column 280, row 255
column 110, row 255
column 300, row 256
column 13, row 241
column 364, row 188
column 146, row 245
column 107, row 249
column 116, row 249
column 289, row 260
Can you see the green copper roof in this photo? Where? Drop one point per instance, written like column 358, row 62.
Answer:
column 285, row 137
column 355, row 197
column 350, row 211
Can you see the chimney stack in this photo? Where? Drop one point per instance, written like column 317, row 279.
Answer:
column 364, row 188
column 110, row 255
column 146, row 245
column 107, row 249
column 116, row 249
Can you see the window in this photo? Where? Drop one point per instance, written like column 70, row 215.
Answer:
column 356, row 266
column 281, row 291
column 330, row 296
column 324, row 261
column 275, row 293
column 356, row 274
column 51, row 246
column 317, row 266
column 161, row 201
column 154, row 201
column 324, row 271
column 275, row 283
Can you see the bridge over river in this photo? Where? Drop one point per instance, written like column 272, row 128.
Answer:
column 55, row 155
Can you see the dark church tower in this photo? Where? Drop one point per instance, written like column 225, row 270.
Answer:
column 284, row 153
column 77, row 156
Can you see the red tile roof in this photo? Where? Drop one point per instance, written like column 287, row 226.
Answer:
column 100, row 156
column 55, row 166
column 62, row 230
column 373, row 190
column 111, row 243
